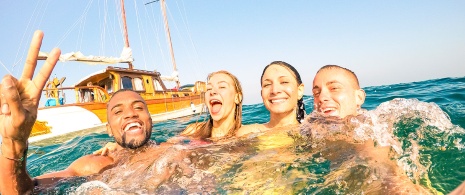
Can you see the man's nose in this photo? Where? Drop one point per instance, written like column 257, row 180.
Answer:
column 130, row 113
column 324, row 95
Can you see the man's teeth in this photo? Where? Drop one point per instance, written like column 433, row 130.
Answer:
column 130, row 125
column 327, row 109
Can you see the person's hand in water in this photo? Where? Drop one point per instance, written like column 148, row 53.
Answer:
column 109, row 147
column 19, row 99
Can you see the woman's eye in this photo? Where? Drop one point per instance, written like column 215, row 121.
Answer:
column 285, row 82
column 208, row 89
column 266, row 85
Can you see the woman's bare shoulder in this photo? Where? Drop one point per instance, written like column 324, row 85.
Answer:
column 247, row 129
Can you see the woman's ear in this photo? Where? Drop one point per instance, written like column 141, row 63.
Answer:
column 360, row 97
column 300, row 91
column 238, row 98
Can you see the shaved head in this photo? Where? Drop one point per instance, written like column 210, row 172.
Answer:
column 350, row 73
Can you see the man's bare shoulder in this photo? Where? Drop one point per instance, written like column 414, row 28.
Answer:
column 86, row 165
column 91, row 164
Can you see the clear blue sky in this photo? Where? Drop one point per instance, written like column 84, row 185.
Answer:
column 384, row 42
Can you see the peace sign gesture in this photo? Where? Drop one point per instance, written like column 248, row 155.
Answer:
column 19, row 99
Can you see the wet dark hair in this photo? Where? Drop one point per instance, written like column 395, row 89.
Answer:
column 300, row 112
column 116, row 93
column 119, row 91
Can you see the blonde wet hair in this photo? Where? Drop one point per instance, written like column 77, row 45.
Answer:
column 203, row 130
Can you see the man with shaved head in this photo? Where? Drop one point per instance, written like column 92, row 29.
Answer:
column 337, row 92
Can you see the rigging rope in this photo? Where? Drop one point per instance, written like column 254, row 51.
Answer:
column 17, row 61
column 140, row 36
column 156, row 29
column 186, row 25
column 5, row 67
column 86, row 10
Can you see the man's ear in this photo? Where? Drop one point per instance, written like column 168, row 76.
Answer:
column 300, row 91
column 360, row 97
column 109, row 130
column 238, row 98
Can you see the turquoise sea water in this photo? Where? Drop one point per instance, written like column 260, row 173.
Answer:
column 422, row 121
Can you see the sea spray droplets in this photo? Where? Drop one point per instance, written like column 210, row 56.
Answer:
column 406, row 125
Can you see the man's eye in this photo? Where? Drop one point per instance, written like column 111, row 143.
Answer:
column 266, row 85
column 118, row 112
column 285, row 82
column 138, row 108
column 208, row 89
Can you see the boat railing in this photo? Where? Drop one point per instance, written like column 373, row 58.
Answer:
column 82, row 94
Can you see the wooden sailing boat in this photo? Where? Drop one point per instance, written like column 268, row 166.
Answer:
column 91, row 93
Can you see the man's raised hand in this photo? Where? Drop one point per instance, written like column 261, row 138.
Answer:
column 19, row 98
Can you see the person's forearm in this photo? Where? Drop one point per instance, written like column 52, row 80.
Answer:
column 459, row 190
column 14, row 178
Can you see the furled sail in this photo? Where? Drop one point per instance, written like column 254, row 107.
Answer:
column 126, row 57
column 174, row 77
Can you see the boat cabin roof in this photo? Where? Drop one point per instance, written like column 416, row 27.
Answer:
column 105, row 73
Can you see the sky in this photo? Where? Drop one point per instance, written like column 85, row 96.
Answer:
column 383, row 42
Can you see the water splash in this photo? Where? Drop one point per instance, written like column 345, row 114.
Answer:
column 427, row 150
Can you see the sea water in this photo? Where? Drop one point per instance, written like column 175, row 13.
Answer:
column 422, row 122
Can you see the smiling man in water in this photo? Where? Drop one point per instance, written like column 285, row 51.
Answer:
column 337, row 103
column 129, row 122
column 337, row 92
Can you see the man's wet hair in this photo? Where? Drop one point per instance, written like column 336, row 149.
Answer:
column 117, row 92
column 331, row 66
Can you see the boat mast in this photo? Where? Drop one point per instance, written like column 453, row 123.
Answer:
column 125, row 31
column 168, row 36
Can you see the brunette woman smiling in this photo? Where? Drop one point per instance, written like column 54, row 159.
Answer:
column 282, row 94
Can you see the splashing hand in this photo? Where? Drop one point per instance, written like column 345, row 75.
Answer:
column 19, row 98
column 109, row 147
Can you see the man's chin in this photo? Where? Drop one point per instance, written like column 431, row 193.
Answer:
column 133, row 143
column 330, row 114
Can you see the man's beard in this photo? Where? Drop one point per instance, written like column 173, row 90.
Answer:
column 133, row 144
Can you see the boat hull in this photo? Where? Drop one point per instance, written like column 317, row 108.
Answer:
column 84, row 105
column 66, row 119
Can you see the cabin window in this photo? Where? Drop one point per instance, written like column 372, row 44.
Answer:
column 126, row 83
column 157, row 85
column 106, row 84
column 138, row 84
